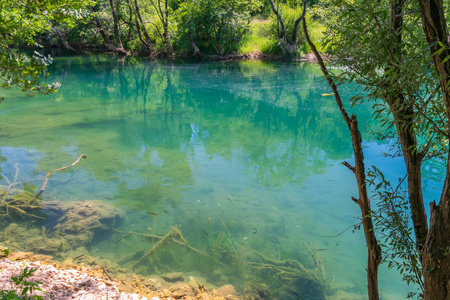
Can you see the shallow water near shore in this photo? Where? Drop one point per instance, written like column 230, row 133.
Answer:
column 239, row 157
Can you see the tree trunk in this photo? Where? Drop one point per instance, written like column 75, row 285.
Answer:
column 63, row 39
column 197, row 52
column 280, row 20
column 288, row 47
column 119, row 46
column 373, row 249
column 294, row 31
column 141, row 30
column 167, row 44
column 403, row 112
column 436, row 251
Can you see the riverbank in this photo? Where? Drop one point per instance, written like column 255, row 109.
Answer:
column 67, row 281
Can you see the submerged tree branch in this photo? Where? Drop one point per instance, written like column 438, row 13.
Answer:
column 49, row 173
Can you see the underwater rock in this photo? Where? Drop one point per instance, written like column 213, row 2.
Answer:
column 226, row 290
column 309, row 288
column 45, row 245
column 80, row 221
column 215, row 276
column 57, row 207
column 20, row 256
column 182, row 291
column 47, row 259
column 31, row 239
column 342, row 295
column 257, row 291
column 173, row 277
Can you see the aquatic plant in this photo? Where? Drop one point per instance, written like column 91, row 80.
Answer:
column 19, row 202
column 5, row 253
column 288, row 275
column 173, row 236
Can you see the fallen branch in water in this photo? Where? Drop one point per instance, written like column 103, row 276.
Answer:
column 48, row 174
column 106, row 273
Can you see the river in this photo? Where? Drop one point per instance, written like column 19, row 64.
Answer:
column 242, row 158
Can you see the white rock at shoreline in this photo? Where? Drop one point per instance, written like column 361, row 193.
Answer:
column 61, row 284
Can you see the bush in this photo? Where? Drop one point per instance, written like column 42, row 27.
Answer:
column 28, row 287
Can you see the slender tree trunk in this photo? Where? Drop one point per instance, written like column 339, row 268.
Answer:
column 119, row 45
column 297, row 22
column 373, row 249
column 281, row 33
column 108, row 43
column 288, row 47
column 403, row 113
column 141, row 30
column 115, row 25
column 197, row 52
column 168, row 44
column 63, row 39
column 436, row 251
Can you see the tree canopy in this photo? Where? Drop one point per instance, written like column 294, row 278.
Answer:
column 20, row 23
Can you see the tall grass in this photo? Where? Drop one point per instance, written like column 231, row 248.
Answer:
column 262, row 35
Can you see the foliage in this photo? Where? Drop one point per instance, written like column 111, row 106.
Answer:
column 27, row 287
column 289, row 14
column 20, row 22
column 215, row 26
column 5, row 253
column 394, row 230
column 411, row 75
column 259, row 39
column 383, row 47
column 143, row 27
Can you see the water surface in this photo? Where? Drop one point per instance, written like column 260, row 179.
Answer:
column 239, row 156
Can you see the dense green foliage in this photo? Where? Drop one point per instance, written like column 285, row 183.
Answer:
column 389, row 68
column 166, row 28
column 20, row 23
column 386, row 48
column 216, row 26
column 155, row 27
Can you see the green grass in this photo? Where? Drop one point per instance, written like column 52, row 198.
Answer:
column 258, row 39
column 262, row 39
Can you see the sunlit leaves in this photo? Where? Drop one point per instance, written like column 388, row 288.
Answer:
column 215, row 26
column 20, row 22
column 394, row 227
column 392, row 65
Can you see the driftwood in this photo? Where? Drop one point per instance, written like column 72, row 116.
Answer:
column 16, row 201
column 173, row 236
column 49, row 173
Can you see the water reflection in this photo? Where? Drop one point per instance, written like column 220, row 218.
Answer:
column 240, row 156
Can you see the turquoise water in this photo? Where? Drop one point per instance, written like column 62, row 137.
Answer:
column 240, row 156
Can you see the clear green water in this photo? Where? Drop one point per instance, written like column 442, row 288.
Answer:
column 249, row 151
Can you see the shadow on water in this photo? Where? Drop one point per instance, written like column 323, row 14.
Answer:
column 225, row 171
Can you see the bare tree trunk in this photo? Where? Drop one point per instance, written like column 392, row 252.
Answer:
column 280, row 20
column 294, row 32
column 168, row 45
column 163, row 16
column 108, row 43
column 287, row 46
column 197, row 52
column 436, row 251
column 373, row 249
column 119, row 46
column 141, row 29
column 63, row 39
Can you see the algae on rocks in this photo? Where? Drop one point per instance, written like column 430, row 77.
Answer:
column 76, row 225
